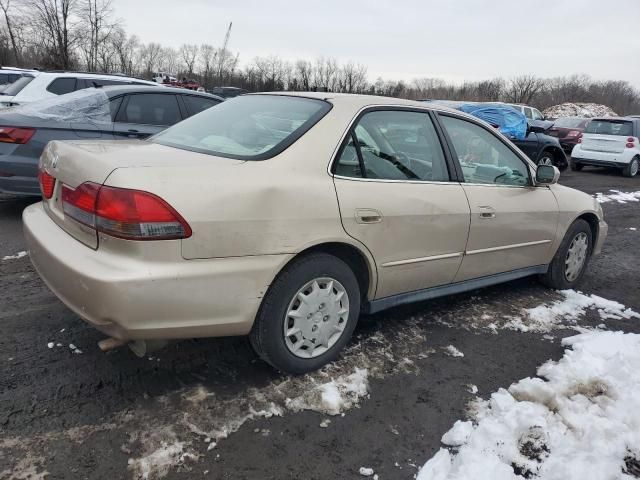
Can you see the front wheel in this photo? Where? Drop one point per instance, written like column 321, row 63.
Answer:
column 631, row 170
column 546, row 159
column 308, row 314
column 570, row 261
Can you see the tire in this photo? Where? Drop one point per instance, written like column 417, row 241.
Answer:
column 631, row 170
column 576, row 167
column 557, row 276
column 546, row 159
column 268, row 334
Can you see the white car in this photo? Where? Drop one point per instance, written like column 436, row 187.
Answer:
column 34, row 86
column 609, row 142
column 529, row 112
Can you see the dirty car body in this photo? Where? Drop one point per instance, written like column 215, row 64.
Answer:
column 285, row 216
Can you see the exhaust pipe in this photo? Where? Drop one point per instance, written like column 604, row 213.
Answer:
column 110, row 343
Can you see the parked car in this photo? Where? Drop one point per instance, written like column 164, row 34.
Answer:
column 609, row 142
column 228, row 92
column 286, row 216
column 568, row 130
column 540, row 147
column 9, row 75
column 529, row 112
column 97, row 113
column 35, row 86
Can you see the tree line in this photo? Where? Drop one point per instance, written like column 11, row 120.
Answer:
column 86, row 35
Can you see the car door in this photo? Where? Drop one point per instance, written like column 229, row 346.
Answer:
column 513, row 222
column 397, row 197
column 144, row 114
column 195, row 104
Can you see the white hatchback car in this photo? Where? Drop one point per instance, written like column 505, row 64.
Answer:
column 34, row 86
column 609, row 142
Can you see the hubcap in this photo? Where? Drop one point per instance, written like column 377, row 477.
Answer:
column 576, row 255
column 316, row 317
column 546, row 161
column 634, row 168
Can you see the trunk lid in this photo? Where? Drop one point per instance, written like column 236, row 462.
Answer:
column 76, row 162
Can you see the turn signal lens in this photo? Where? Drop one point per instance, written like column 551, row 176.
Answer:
column 47, row 184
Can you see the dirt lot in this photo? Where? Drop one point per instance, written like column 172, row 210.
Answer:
column 211, row 409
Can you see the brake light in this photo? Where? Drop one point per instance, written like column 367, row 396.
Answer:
column 124, row 213
column 630, row 145
column 631, row 139
column 47, row 184
column 16, row 134
column 573, row 133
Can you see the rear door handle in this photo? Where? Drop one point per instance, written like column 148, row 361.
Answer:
column 487, row 212
column 368, row 215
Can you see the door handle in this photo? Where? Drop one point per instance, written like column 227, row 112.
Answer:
column 132, row 133
column 368, row 215
column 487, row 212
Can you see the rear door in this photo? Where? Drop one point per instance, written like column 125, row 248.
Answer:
column 397, row 197
column 607, row 135
column 513, row 223
column 195, row 104
column 144, row 114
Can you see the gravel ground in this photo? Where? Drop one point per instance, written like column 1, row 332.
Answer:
column 96, row 415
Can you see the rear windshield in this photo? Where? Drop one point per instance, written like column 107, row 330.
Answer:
column 610, row 127
column 569, row 122
column 17, row 86
column 252, row 127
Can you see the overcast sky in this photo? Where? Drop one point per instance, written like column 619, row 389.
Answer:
column 403, row 39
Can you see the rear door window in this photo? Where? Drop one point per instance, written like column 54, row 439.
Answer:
column 198, row 104
column 150, row 109
column 528, row 113
column 610, row 127
column 60, row 86
column 17, row 86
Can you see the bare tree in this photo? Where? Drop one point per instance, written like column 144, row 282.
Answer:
column 5, row 5
column 97, row 26
column 208, row 60
column 149, row 56
column 189, row 54
column 523, row 89
column 52, row 21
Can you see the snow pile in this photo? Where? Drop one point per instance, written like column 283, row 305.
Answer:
column 587, row 110
column 544, row 317
column 577, row 420
column 618, row 196
column 157, row 461
column 16, row 256
column 334, row 397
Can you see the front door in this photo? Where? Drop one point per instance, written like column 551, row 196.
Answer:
column 513, row 223
column 396, row 197
column 144, row 114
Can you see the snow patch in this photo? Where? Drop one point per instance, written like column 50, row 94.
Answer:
column 453, row 351
column 162, row 452
column 16, row 256
column 576, row 420
column 366, row 471
column 618, row 196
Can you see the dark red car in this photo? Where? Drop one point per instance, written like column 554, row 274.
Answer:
column 568, row 130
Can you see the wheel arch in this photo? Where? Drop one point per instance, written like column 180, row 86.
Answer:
column 559, row 157
column 594, row 223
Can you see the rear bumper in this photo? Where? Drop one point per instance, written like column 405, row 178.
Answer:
column 598, row 163
column 142, row 295
column 602, row 159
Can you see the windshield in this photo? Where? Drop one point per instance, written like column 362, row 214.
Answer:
column 88, row 105
column 569, row 122
column 17, row 86
column 610, row 127
column 253, row 127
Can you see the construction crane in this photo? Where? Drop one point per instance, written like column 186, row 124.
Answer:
column 223, row 51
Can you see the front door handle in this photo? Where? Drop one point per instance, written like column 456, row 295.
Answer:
column 368, row 215
column 487, row 212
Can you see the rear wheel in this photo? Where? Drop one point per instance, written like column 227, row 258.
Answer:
column 570, row 261
column 631, row 170
column 308, row 314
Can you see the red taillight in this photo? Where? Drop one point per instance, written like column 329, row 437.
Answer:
column 631, row 140
column 47, row 183
column 16, row 134
column 573, row 133
column 630, row 145
column 124, row 213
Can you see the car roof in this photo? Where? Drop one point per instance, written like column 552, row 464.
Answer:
column 113, row 90
column 358, row 100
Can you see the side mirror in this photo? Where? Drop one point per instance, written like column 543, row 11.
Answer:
column 547, row 174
